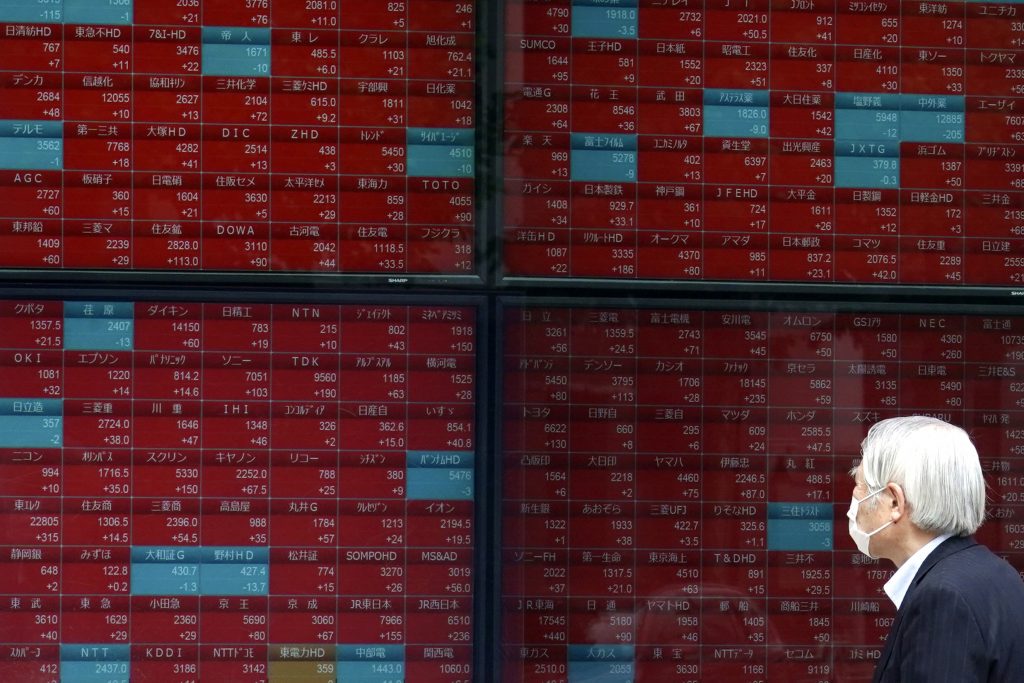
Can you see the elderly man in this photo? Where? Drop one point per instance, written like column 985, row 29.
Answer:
column 919, row 494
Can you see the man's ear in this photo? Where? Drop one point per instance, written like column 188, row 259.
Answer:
column 898, row 503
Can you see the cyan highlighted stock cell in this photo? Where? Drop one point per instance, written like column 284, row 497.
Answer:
column 108, row 12
column 236, row 51
column 800, row 526
column 601, row 663
column 371, row 663
column 440, row 152
column 867, row 116
column 31, row 145
column 932, row 118
column 99, row 663
column 31, row 12
column 605, row 19
column 99, row 326
column 228, row 571
column 867, row 163
column 31, row 422
column 105, row 12
column 735, row 113
column 603, row 157
column 440, row 475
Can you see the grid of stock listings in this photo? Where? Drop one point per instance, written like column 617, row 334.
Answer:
column 286, row 485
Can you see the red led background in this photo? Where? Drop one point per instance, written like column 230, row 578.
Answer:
column 785, row 187
column 289, row 147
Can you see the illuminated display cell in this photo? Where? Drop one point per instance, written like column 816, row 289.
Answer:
column 675, row 483
column 763, row 141
column 243, row 135
column 237, row 491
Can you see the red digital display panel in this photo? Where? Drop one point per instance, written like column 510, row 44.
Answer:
column 238, row 135
column 675, row 483
column 764, row 140
column 243, row 492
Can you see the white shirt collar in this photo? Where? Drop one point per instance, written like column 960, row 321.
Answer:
column 896, row 587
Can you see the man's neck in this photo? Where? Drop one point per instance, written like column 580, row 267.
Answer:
column 909, row 543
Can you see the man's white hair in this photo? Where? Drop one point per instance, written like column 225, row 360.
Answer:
column 937, row 466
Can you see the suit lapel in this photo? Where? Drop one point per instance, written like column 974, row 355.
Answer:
column 948, row 547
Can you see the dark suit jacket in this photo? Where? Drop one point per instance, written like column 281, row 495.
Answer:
column 961, row 621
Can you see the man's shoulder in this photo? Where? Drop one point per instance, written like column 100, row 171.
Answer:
column 971, row 569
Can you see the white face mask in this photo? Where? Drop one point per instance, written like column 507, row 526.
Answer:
column 862, row 538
